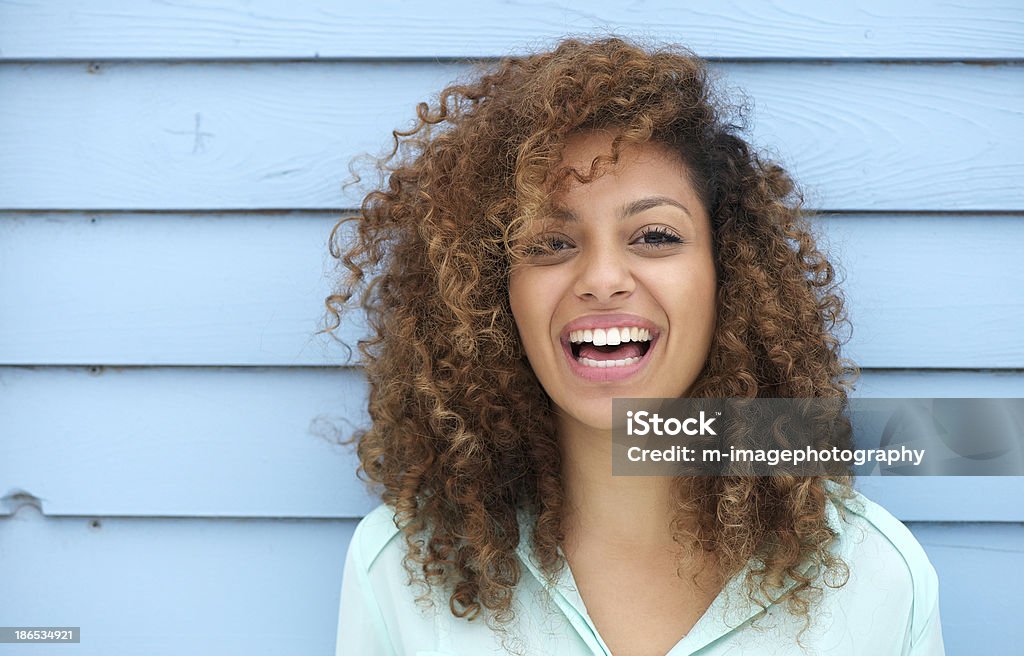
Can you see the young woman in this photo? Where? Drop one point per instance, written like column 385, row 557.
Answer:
column 567, row 228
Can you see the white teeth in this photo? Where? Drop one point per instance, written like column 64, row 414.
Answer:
column 601, row 364
column 610, row 336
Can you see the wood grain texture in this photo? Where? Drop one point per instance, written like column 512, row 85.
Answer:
column 183, row 442
column 937, row 498
column 281, row 136
column 213, row 587
column 167, row 587
column 37, row 29
column 200, row 289
column 980, row 573
column 931, row 280
column 205, row 509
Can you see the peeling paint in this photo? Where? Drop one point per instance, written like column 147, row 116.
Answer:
column 16, row 499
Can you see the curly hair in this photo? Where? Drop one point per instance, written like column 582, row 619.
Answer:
column 462, row 435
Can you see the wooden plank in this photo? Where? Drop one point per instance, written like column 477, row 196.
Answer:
column 924, row 291
column 280, row 136
column 937, row 498
column 937, row 280
column 210, row 587
column 167, row 290
column 970, row 558
column 166, row 587
column 36, row 29
column 183, row 442
column 928, row 384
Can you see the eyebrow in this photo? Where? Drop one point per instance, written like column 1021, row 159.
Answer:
column 627, row 210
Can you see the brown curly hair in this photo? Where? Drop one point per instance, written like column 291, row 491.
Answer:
column 462, row 434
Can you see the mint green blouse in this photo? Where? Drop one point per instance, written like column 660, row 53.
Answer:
column 889, row 605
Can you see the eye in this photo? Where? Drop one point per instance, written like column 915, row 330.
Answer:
column 548, row 246
column 557, row 243
column 655, row 236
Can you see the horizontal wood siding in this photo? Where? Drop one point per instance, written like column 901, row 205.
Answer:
column 266, row 29
column 159, row 441
column 170, row 478
column 168, row 587
column 198, row 289
column 174, row 587
column 160, row 136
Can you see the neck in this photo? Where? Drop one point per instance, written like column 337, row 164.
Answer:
column 620, row 512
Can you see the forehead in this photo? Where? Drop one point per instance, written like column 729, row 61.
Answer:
column 560, row 213
column 644, row 175
column 581, row 147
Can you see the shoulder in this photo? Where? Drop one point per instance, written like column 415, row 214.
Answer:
column 382, row 615
column 885, row 557
column 868, row 524
column 372, row 535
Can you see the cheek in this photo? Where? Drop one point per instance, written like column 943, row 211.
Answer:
column 524, row 305
column 533, row 299
column 693, row 301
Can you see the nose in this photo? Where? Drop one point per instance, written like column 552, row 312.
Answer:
column 604, row 275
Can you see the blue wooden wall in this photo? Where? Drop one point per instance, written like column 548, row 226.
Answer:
column 169, row 173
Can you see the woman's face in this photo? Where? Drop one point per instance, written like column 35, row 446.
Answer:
column 631, row 250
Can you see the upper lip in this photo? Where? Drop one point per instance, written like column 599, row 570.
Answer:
column 592, row 321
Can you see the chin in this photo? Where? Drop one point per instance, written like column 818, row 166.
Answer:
column 595, row 414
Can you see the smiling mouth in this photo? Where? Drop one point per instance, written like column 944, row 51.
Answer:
column 613, row 347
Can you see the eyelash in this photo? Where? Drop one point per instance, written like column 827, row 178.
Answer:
column 666, row 239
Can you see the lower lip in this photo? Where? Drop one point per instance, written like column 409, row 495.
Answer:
column 604, row 374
